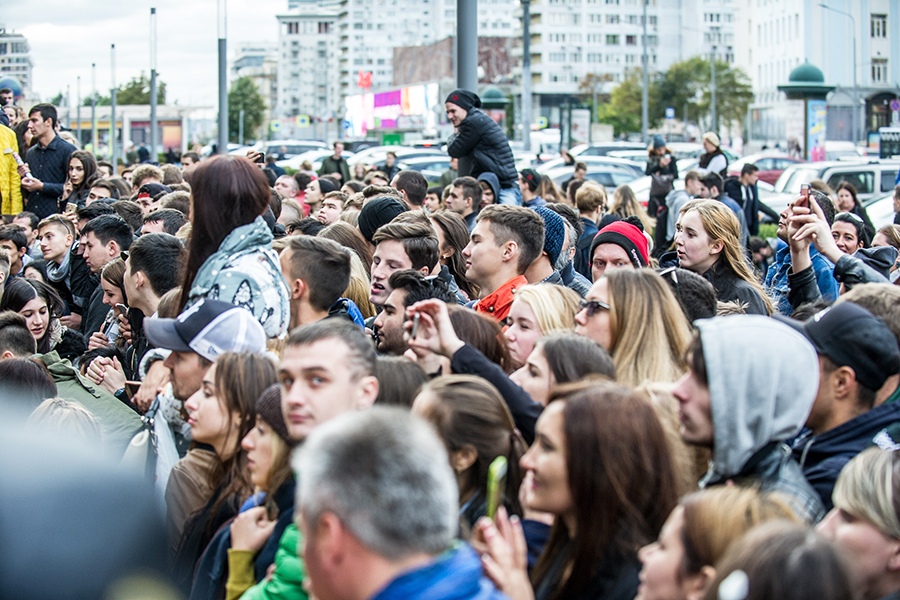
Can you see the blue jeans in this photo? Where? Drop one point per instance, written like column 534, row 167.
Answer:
column 511, row 195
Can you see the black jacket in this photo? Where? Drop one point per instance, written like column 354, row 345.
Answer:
column 583, row 253
column 525, row 411
column 50, row 166
column 849, row 270
column 729, row 287
column 735, row 190
column 480, row 145
column 774, row 469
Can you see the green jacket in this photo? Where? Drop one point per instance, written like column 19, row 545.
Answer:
column 329, row 166
column 286, row 582
column 118, row 422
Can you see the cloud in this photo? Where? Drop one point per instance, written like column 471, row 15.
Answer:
column 67, row 36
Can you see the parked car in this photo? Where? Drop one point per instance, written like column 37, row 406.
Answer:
column 770, row 165
column 315, row 158
column 595, row 161
column 377, row 154
column 641, row 187
column 603, row 148
column 870, row 177
column 291, row 148
column 881, row 210
column 426, row 163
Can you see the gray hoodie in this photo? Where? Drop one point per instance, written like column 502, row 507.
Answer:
column 763, row 378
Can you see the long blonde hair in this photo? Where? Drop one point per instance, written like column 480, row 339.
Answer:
column 650, row 333
column 554, row 306
column 358, row 288
column 625, row 204
column 720, row 223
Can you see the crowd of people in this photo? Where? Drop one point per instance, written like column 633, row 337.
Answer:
column 344, row 389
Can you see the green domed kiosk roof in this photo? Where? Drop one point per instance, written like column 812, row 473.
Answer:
column 806, row 81
column 493, row 97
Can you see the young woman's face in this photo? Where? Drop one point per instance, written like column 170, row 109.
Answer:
column 867, row 550
column 37, row 316
column 695, row 249
column 844, row 201
column 112, row 295
column 313, row 192
column 845, row 237
column 535, row 376
column 546, row 460
column 522, row 332
column 76, row 171
column 260, row 453
column 33, row 273
column 211, row 423
column 661, row 577
column 596, row 326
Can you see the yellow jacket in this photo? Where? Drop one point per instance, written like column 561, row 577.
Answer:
column 10, row 183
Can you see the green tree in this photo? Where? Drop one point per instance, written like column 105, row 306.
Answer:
column 687, row 83
column 136, row 91
column 244, row 95
column 623, row 111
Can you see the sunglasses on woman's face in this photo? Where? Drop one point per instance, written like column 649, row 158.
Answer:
column 592, row 307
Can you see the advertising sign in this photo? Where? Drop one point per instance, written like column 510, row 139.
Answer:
column 816, row 116
column 408, row 108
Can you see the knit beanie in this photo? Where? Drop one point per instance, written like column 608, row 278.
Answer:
column 464, row 99
column 377, row 212
column 532, row 178
column 554, row 232
column 153, row 190
column 628, row 234
column 268, row 406
column 327, row 185
column 658, row 142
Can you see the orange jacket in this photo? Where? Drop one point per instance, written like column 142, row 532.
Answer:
column 497, row 304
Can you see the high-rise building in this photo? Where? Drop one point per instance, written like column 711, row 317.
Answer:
column 15, row 58
column 307, row 83
column 259, row 62
column 855, row 43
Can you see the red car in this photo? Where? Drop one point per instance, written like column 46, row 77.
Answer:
column 770, row 165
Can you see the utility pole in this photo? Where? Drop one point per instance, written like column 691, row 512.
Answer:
column 712, row 89
column 113, row 128
column 78, row 108
column 467, row 45
column 153, row 123
column 223, row 82
column 645, row 101
column 94, row 107
column 241, row 127
column 526, row 75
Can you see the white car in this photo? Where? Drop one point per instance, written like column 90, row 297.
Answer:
column 315, row 157
column 881, row 210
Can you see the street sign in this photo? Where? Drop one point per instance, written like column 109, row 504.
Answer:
column 302, row 120
column 345, row 124
column 670, row 113
column 275, row 126
column 895, row 104
column 542, row 122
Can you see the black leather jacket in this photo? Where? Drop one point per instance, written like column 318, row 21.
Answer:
column 849, row 270
column 774, row 469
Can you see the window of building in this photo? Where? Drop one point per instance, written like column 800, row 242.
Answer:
column 631, row 40
column 612, row 19
column 652, row 20
column 594, row 38
column 594, row 57
column 616, row 2
column 612, row 40
column 575, row 57
column 631, row 19
column 879, row 27
column 293, row 28
column 630, row 59
column 879, row 70
column 593, row 18
column 556, row 57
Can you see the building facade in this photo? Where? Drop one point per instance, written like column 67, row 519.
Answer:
column 15, row 59
column 856, row 44
column 259, row 62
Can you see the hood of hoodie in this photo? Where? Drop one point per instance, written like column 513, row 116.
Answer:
column 493, row 181
column 880, row 258
column 763, row 377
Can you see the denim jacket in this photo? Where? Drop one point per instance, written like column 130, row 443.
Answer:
column 245, row 272
column 777, row 278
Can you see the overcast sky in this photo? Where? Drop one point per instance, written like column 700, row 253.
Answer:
column 66, row 36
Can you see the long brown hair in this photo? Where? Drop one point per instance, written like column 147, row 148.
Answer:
column 349, row 237
column 89, row 164
column 469, row 411
column 621, row 480
column 226, row 192
column 482, row 333
column 456, row 235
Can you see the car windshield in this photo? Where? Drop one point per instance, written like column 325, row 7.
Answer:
column 791, row 180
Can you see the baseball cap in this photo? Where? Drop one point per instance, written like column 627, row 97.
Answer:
column 209, row 328
column 851, row 336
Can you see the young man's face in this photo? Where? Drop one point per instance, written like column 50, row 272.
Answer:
column 55, row 242
column 338, row 148
column 96, row 254
column 6, row 99
column 319, row 383
column 457, row 202
column 330, row 211
column 15, row 255
column 390, row 256
column 153, row 227
column 148, row 205
column 455, row 115
column 104, row 171
column 483, row 256
column 693, row 187
column 432, row 202
column 38, row 126
column 389, row 325
column 186, row 374
column 750, row 178
column 694, row 410
column 25, row 223
column 95, row 194
column 580, row 174
column 130, row 284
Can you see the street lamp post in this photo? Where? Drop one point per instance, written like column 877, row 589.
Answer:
column 113, row 129
column 153, row 122
column 223, row 82
column 94, row 108
column 645, row 100
column 855, row 87
column 526, row 75
column 712, row 81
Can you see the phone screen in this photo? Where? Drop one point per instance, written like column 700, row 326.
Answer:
column 496, row 484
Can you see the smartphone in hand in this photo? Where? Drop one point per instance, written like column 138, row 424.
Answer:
column 496, row 485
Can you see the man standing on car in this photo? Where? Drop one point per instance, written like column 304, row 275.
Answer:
column 480, row 144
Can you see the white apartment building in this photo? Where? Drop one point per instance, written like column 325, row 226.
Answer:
column 571, row 39
column 775, row 36
column 259, row 62
column 15, row 58
column 307, row 85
